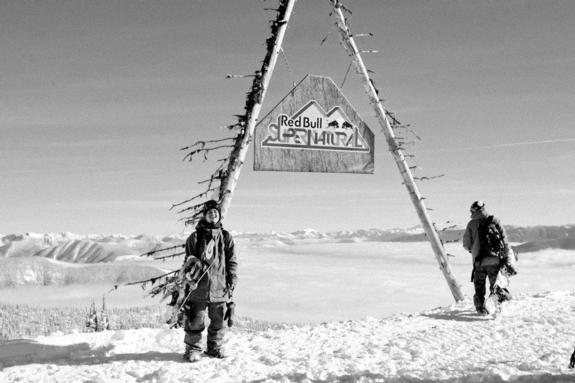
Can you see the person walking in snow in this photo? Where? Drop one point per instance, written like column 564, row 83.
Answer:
column 487, row 261
column 210, row 267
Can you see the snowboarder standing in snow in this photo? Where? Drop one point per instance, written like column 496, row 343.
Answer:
column 210, row 266
column 487, row 258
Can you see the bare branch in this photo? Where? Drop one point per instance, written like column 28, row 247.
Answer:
column 193, row 207
column 203, row 194
column 346, row 73
column 202, row 144
column 169, row 256
column 406, row 127
column 428, row 178
column 149, row 253
column 210, row 180
column 239, row 75
column 362, row 35
column 190, row 155
column 326, row 36
column 152, row 280
column 233, row 126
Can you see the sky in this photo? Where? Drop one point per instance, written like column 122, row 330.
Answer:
column 98, row 97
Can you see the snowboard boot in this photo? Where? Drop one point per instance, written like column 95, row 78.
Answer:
column 191, row 354
column 218, row 354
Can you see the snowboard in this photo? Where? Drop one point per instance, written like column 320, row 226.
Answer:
column 492, row 304
column 499, row 294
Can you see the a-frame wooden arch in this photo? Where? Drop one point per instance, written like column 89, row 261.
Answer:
column 238, row 155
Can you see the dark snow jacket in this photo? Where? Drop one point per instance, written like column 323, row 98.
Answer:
column 214, row 247
column 471, row 238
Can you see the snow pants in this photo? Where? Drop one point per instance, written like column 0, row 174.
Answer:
column 194, row 324
column 480, row 275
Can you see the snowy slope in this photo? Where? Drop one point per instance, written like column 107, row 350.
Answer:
column 79, row 248
column 78, row 251
column 530, row 341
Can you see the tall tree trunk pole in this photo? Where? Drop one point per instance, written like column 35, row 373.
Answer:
column 416, row 198
column 259, row 88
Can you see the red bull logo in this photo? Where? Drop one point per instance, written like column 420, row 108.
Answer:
column 311, row 128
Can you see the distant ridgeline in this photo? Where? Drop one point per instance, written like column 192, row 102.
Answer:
column 530, row 238
column 97, row 249
column 77, row 248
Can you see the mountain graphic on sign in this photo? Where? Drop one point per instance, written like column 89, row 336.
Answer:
column 335, row 116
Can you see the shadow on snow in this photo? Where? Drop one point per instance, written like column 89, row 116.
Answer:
column 25, row 351
column 459, row 315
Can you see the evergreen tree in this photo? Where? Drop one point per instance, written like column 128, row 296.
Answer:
column 104, row 321
column 92, row 318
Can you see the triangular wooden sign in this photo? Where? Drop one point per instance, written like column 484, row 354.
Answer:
column 314, row 129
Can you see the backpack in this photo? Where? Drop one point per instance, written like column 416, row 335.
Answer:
column 491, row 240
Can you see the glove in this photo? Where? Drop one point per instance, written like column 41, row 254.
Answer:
column 192, row 283
column 174, row 317
column 174, row 300
column 230, row 288
column 230, row 313
column 510, row 269
column 193, row 268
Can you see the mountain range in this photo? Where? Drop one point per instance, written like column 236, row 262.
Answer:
column 96, row 248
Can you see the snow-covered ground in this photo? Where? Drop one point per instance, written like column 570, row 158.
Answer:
column 372, row 312
column 531, row 340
